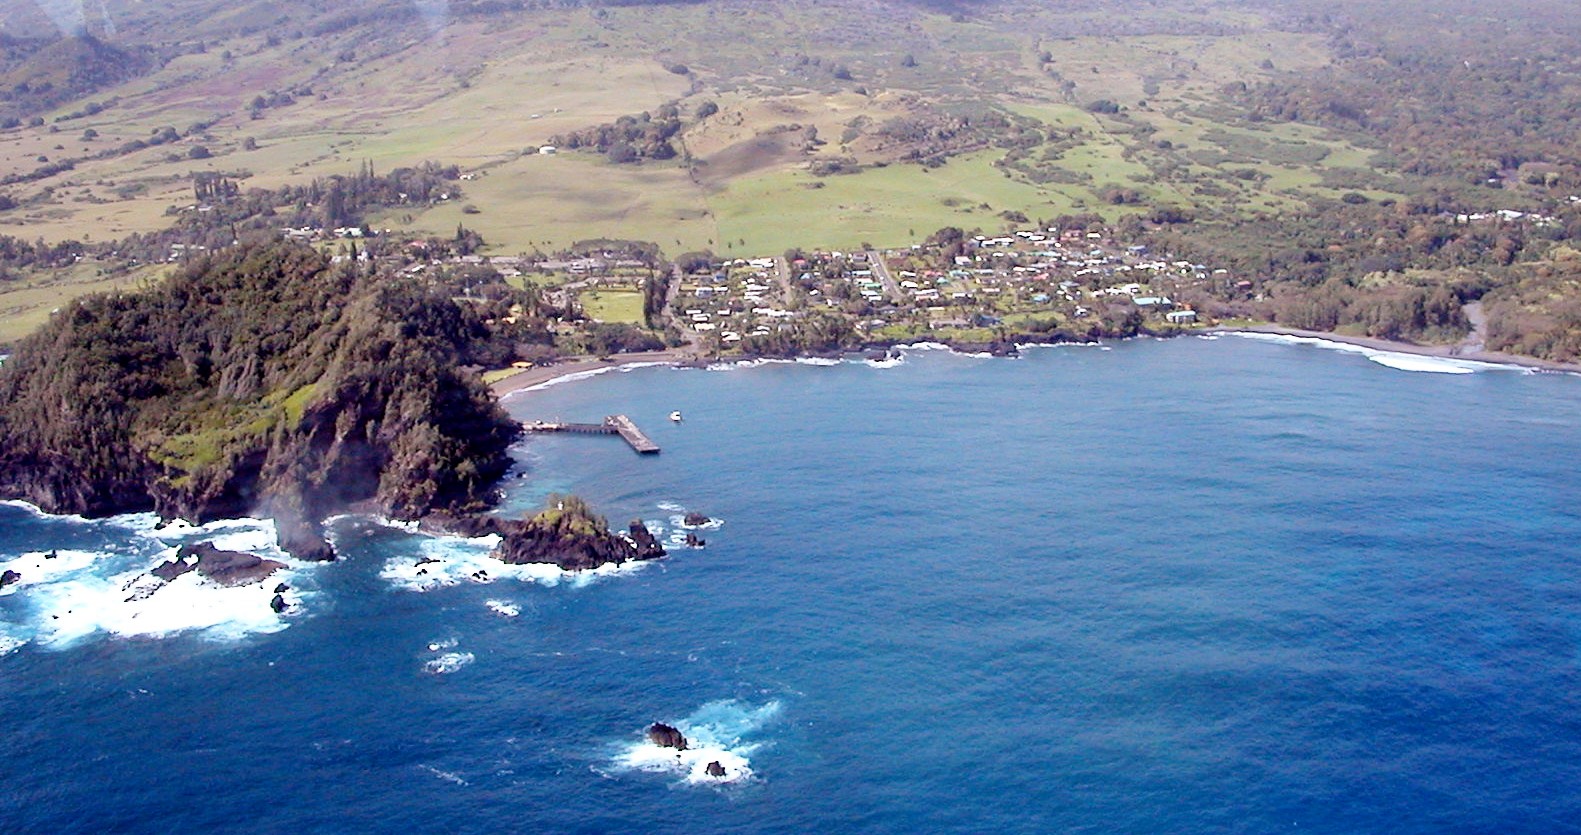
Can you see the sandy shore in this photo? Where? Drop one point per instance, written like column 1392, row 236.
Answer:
column 1444, row 351
column 530, row 377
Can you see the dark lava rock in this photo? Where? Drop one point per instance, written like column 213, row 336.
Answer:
column 281, row 589
column 715, row 769
column 568, row 535
column 8, row 578
column 695, row 541
column 278, row 604
column 228, row 568
column 696, row 519
column 171, row 569
column 666, row 736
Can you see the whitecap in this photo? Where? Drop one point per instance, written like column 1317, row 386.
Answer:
column 447, row 776
column 9, row 643
column 888, row 362
column 824, row 362
column 503, row 608
column 721, row 731
column 449, row 663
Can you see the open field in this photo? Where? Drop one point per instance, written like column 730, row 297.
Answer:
column 26, row 304
column 613, row 305
column 889, row 206
column 1130, row 114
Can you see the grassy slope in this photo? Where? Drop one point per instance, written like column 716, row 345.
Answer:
column 481, row 92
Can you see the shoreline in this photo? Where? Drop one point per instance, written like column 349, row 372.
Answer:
column 1410, row 348
column 540, row 375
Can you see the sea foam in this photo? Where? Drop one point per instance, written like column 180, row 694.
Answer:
column 444, row 561
column 1397, row 360
column 722, row 731
column 65, row 596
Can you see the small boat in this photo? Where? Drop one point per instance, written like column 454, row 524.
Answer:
column 676, row 416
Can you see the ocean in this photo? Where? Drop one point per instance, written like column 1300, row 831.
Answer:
column 1194, row 585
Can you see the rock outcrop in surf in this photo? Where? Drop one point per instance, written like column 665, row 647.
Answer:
column 666, row 736
column 227, row 568
column 567, row 533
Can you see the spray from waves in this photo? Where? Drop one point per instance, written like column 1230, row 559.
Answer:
column 726, row 732
column 65, row 596
column 448, row 663
column 435, row 13
column 445, row 561
column 503, row 608
column 69, row 16
column 1389, row 359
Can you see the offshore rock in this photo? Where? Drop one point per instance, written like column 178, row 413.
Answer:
column 696, row 519
column 278, row 604
column 666, row 736
column 8, row 578
column 715, row 769
column 228, row 568
column 566, row 534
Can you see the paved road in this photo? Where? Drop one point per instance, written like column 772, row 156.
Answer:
column 881, row 269
column 782, row 272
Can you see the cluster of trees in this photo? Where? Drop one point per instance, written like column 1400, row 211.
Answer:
column 19, row 254
column 37, row 74
column 261, row 377
column 1476, row 99
column 630, row 138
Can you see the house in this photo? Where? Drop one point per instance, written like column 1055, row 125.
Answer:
column 1181, row 317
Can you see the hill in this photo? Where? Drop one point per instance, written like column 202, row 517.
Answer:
column 261, row 381
column 1272, row 136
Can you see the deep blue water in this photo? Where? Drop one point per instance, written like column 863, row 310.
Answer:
column 1184, row 586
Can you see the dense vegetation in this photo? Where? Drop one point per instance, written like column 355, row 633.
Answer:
column 260, row 380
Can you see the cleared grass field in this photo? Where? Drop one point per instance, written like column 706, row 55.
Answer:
column 891, row 206
column 24, row 308
column 547, row 202
column 608, row 305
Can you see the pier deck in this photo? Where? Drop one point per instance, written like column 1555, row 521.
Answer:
column 612, row 425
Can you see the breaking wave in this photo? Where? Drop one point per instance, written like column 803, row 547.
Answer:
column 64, row 596
column 723, row 731
column 1397, row 360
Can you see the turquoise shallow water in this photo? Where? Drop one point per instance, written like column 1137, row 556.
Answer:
column 1191, row 585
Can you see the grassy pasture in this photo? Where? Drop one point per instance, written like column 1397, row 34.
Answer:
column 613, row 305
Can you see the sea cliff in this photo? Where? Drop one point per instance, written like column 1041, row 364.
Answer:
column 265, row 380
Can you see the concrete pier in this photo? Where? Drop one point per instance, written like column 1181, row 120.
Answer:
column 612, row 425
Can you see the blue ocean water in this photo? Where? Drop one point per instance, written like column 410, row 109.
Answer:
column 1162, row 586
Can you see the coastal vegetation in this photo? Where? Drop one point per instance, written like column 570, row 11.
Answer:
column 263, row 379
column 1359, row 174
